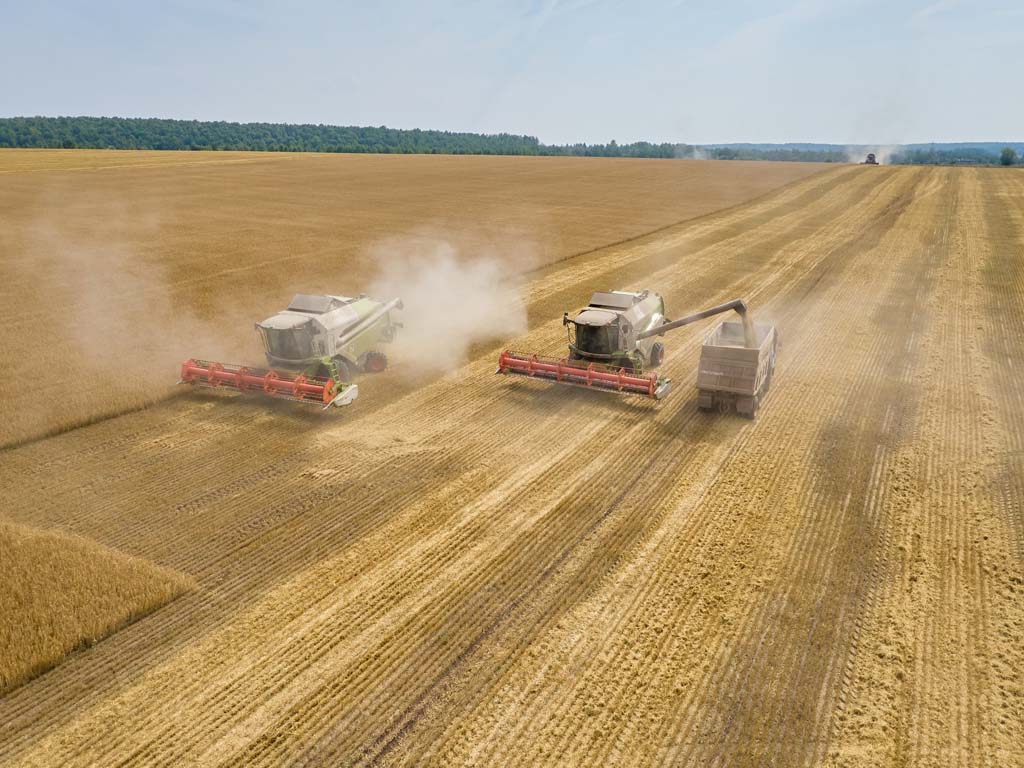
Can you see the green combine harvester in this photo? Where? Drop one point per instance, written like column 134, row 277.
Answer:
column 313, row 348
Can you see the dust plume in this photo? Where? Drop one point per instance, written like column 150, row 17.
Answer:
column 883, row 153
column 454, row 296
column 111, row 323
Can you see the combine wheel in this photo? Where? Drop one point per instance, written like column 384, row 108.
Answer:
column 657, row 354
column 375, row 362
column 344, row 369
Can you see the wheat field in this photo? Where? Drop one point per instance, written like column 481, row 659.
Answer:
column 119, row 265
column 63, row 592
column 465, row 569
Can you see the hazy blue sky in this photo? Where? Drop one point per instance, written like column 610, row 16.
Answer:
column 845, row 71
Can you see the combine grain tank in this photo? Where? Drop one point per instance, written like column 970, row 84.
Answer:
column 732, row 374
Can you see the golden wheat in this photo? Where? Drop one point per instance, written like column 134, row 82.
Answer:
column 62, row 592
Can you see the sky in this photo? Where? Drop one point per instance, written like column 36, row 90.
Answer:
column 835, row 71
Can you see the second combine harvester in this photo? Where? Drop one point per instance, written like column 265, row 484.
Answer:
column 613, row 345
column 313, row 347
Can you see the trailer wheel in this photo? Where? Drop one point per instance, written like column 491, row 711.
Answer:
column 747, row 407
column 657, row 354
column 375, row 362
column 770, row 372
column 744, row 406
column 705, row 401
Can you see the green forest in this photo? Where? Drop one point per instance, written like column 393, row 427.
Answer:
column 153, row 133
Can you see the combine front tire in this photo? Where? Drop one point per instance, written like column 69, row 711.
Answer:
column 657, row 354
column 344, row 369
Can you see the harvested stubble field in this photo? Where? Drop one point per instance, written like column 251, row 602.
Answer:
column 480, row 571
column 117, row 265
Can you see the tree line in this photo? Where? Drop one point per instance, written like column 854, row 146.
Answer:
column 153, row 133
column 959, row 156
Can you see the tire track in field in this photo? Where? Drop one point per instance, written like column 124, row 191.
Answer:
column 928, row 684
column 818, row 329
column 554, row 718
column 130, row 476
column 128, row 470
column 754, row 217
column 780, row 673
column 327, row 659
column 248, row 576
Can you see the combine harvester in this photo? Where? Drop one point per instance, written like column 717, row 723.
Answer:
column 612, row 345
column 313, row 348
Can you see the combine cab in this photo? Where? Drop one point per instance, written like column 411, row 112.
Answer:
column 313, row 348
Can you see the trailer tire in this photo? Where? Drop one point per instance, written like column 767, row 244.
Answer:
column 770, row 372
column 747, row 407
column 375, row 362
column 657, row 354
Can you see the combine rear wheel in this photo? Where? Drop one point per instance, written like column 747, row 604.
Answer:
column 375, row 362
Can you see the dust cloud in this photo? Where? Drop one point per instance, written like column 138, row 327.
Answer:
column 111, row 324
column 454, row 296
column 124, row 315
column 883, row 154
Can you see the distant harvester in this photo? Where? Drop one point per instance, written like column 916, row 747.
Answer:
column 870, row 159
